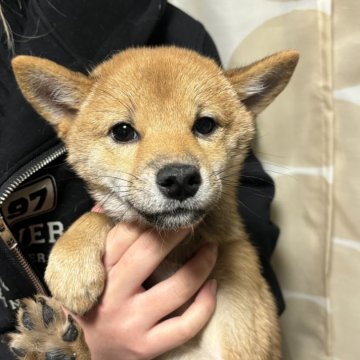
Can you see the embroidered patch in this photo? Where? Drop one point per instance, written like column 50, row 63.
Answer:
column 32, row 199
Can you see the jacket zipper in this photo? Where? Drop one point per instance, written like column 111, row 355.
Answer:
column 12, row 245
column 5, row 233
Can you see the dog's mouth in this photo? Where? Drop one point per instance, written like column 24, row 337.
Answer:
column 171, row 219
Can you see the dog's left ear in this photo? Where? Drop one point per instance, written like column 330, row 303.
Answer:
column 258, row 84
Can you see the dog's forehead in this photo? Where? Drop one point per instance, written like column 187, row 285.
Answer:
column 161, row 70
column 161, row 80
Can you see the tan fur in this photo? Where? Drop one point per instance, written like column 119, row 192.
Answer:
column 161, row 92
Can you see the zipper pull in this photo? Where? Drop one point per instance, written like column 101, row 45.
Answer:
column 6, row 235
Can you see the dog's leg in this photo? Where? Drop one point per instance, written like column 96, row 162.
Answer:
column 75, row 273
column 46, row 333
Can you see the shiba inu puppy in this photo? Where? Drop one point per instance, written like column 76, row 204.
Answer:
column 159, row 135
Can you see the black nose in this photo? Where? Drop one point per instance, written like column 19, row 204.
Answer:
column 178, row 181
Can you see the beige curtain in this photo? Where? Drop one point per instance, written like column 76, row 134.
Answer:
column 309, row 142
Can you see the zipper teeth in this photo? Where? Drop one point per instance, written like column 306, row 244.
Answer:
column 25, row 265
column 32, row 170
column 9, row 240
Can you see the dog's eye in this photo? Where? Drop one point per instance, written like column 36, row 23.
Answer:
column 204, row 125
column 123, row 132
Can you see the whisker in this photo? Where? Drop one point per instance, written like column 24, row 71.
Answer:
column 112, row 177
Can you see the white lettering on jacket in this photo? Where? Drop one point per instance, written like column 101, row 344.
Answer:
column 42, row 233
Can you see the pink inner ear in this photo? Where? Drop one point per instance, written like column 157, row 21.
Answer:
column 97, row 208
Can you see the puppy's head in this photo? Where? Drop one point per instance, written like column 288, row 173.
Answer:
column 159, row 134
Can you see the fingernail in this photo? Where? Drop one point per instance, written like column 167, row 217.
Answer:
column 213, row 286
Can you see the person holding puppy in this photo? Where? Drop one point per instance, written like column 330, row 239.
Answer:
column 40, row 196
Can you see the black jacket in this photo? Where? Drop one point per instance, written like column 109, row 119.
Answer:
column 39, row 195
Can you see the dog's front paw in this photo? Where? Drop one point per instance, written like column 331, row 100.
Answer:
column 76, row 282
column 75, row 273
column 46, row 333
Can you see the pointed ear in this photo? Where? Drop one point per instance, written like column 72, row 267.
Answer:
column 55, row 92
column 258, row 84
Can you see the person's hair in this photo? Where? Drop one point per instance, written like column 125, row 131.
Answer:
column 7, row 33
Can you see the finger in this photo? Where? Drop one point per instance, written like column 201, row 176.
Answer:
column 170, row 294
column 176, row 331
column 140, row 260
column 119, row 239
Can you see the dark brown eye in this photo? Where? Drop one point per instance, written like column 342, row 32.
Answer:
column 123, row 132
column 204, row 125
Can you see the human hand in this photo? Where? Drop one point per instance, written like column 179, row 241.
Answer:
column 127, row 323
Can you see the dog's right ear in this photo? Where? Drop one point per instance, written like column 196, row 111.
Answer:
column 55, row 92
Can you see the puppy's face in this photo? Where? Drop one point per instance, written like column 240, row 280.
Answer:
column 154, row 136
column 157, row 134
